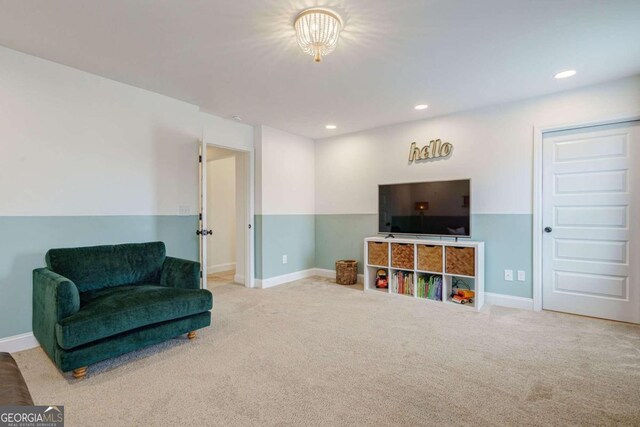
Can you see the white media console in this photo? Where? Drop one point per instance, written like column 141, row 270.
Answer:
column 418, row 261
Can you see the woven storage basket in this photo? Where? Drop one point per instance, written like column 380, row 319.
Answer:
column 378, row 253
column 402, row 255
column 460, row 260
column 346, row 272
column 430, row 258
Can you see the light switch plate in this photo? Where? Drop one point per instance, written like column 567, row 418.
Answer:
column 284, row 259
column 184, row 210
column 508, row 275
column 521, row 276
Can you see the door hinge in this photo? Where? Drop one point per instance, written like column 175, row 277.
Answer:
column 200, row 159
column 200, row 217
column 201, row 274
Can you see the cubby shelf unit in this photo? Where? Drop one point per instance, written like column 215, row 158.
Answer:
column 457, row 262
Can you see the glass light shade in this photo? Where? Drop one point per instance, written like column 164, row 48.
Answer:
column 317, row 31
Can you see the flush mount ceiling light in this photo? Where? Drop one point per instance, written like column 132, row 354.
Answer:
column 317, row 31
column 331, row 127
column 421, row 107
column 565, row 74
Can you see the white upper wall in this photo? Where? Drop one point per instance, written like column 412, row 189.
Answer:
column 493, row 146
column 72, row 143
column 226, row 133
column 285, row 179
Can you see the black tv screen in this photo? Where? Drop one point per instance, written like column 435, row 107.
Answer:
column 440, row 208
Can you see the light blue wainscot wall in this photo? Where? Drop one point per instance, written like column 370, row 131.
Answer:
column 507, row 237
column 278, row 235
column 342, row 237
column 25, row 240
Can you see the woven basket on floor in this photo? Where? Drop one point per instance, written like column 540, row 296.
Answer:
column 347, row 272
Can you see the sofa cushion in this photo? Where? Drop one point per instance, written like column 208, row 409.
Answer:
column 98, row 267
column 111, row 311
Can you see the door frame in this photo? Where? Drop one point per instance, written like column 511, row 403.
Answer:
column 538, row 140
column 249, row 209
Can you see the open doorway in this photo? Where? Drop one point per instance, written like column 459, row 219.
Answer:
column 226, row 190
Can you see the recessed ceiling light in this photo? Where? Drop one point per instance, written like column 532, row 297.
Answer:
column 331, row 127
column 565, row 74
column 421, row 107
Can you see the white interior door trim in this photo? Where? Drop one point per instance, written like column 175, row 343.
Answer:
column 538, row 135
column 202, row 211
column 249, row 210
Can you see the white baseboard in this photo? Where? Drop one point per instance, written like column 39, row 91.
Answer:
column 331, row 274
column 221, row 267
column 508, row 301
column 18, row 343
column 239, row 278
column 285, row 278
column 303, row 274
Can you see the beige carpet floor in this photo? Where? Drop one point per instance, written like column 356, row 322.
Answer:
column 315, row 353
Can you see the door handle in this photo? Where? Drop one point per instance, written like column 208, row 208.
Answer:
column 204, row 231
column 548, row 229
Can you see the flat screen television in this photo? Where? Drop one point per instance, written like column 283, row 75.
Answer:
column 436, row 208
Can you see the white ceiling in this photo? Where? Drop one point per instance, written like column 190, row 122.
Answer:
column 240, row 56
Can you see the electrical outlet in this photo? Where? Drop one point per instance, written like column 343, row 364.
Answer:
column 521, row 276
column 284, row 259
column 184, row 210
column 508, row 275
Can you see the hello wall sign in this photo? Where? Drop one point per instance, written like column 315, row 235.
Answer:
column 435, row 149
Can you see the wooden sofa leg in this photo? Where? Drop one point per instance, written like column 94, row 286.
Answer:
column 80, row 373
column 191, row 335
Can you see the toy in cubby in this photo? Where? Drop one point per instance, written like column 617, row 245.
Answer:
column 382, row 281
column 461, row 292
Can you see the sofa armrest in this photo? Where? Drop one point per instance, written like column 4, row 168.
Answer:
column 55, row 293
column 180, row 273
column 54, row 298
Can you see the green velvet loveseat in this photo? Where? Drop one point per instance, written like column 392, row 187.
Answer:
column 94, row 303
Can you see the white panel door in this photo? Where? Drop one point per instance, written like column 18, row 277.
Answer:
column 591, row 212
